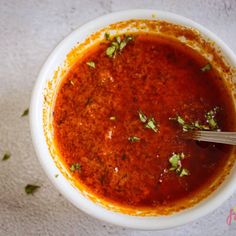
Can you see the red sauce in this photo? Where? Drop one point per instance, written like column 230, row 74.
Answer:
column 163, row 78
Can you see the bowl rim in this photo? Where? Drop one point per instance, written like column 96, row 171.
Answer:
column 71, row 193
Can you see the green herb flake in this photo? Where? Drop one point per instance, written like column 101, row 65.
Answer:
column 111, row 51
column 128, row 38
column 107, row 36
column 118, row 39
column 75, row 166
column 134, row 139
column 151, row 124
column 142, row 117
column 209, row 124
column 176, row 165
column 181, row 121
column 56, row 175
column 72, row 168
column 117, row 45
column 31, row 189
column 122, row 44
column 25, row 112
column 174, row 161
column 184, row 172
column 112, row 118
column 210, row 118
column 125, row 41
column 91, row 64
column 6, row 156
column 206, row 68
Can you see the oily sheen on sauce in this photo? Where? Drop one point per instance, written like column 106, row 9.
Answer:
column 96, row 113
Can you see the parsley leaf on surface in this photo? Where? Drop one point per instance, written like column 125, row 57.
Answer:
column 91, row 64
column 117, row 45
column 176, row 165
column 31, row 189
column 25, row 112
column 206, row 68
column 6, row 156
column 134, row 139
column 149, row 122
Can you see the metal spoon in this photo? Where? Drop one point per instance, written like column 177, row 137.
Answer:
column 212, row 136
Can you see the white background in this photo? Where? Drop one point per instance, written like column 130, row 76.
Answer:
column 29, row 30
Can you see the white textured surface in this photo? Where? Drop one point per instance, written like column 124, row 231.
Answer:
column 29, row 30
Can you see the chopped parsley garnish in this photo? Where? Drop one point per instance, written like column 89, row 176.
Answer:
column 210, row 123
column 176, row 165
column 112, row 118
column 117, row 45
column 91, row 64
column 197, row 125
column 107, row 36
column 149, row 122
column 206, row 68
column 56, row 175
column 175, row 160
column 72, row 168
column 25, row 112
column 181, row 121
column 111, row 51
column 142, row 117
column 30, row 188
column 118, row 39
column 184, row 172
column 125, row 41
column 210, row 117
column 75, row 166
column 6, row 156
column 134, row 139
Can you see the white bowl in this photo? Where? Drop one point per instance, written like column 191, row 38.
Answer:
column 62, row 184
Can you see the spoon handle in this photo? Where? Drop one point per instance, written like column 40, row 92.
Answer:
column 212, row 136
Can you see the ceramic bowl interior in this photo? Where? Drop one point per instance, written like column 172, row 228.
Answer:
column 52, row 73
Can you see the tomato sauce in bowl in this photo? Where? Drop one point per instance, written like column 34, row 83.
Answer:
column 120, row 113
